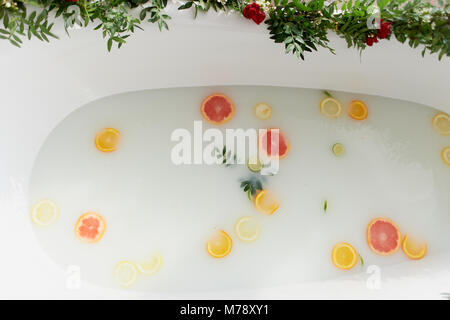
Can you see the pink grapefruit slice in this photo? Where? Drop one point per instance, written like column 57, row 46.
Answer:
column 90, row 227
column 383, row 236
column 273, row 143
column 217, row 108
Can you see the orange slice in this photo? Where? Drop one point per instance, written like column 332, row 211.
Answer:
column 344, row 256
column 445, row 155
column 441, row 122
column 263, row 111
column 219, row 245
column 107, row 140
column 383, row 236
column 330, row 107
column 90, row 227
column 414, row 248
column 247, row 229
column 358, row 110
column 273, row 143
column 266, row 202
column 217, row 108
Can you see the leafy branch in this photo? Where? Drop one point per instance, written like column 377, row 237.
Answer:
column 252, row 186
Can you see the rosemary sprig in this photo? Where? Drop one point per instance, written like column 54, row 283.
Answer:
column 252, row 186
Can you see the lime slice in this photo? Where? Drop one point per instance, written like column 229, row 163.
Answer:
column 338, row 149
column 151, row 265
column 44, row 212
column 126, row 273
column 254, row 164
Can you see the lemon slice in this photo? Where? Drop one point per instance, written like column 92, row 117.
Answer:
column 344, row 256
column 338, row 149
column 219, row 245
column 263, row 111
column 330, row 107
column 414, row 248
column 126, row 273
column 445, row 154
column 254, row 164
column 44, row 212
column 151, row 265
column 247, row 229
column 441, row 123
column 107, row 140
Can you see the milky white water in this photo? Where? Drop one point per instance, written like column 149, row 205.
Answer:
column 392, row 168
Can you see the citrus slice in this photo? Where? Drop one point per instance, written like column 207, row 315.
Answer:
column 383, row 236
column 126, row 273
column 217, row 108
column 44, row 212
column 273, row 143
column 150, row 265
column 344, row 256
column 254, row 164
column 90, row 227
column 441, row 122
column 107, row 140
column 445, row 155
column 247, row 229
column 338, row 149
column 414, row 248
column 219, row 245
column 263, row 111
column 266, row 202
column 358, row 110
column 330, row 107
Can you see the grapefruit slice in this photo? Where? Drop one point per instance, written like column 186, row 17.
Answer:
column 344, row 256
column 90, row 227
column 107, row 140
column 266, row 202
column 414, row 248
column 219, row 245
column 217, row 108
column 44, row 212
column 263, row 111
column 150, row 265
column 441, row 122
column 126, row 273
column 247, row 229
column 445, row 155
column 330, row 107
column 358, row 110
column 383, row 236
column 273, row 143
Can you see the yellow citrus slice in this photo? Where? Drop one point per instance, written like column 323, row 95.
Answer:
column 358, row 110
column 126, row 273
column 263, row 111
column 266, row 202
column 344, row 256
column 441, row 122
column 445, row 154
column 150, row 265
column 330, row 107
column 107, row 140
column 413, row 248
column 338, row 149
column 44, row 212
column 219, row 245
column 247, row 229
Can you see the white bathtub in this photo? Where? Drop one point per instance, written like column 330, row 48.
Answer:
column 42, row 83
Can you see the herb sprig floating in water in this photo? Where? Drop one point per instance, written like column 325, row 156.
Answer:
column 226, row 157
column 252, row 186
column 325, row 206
